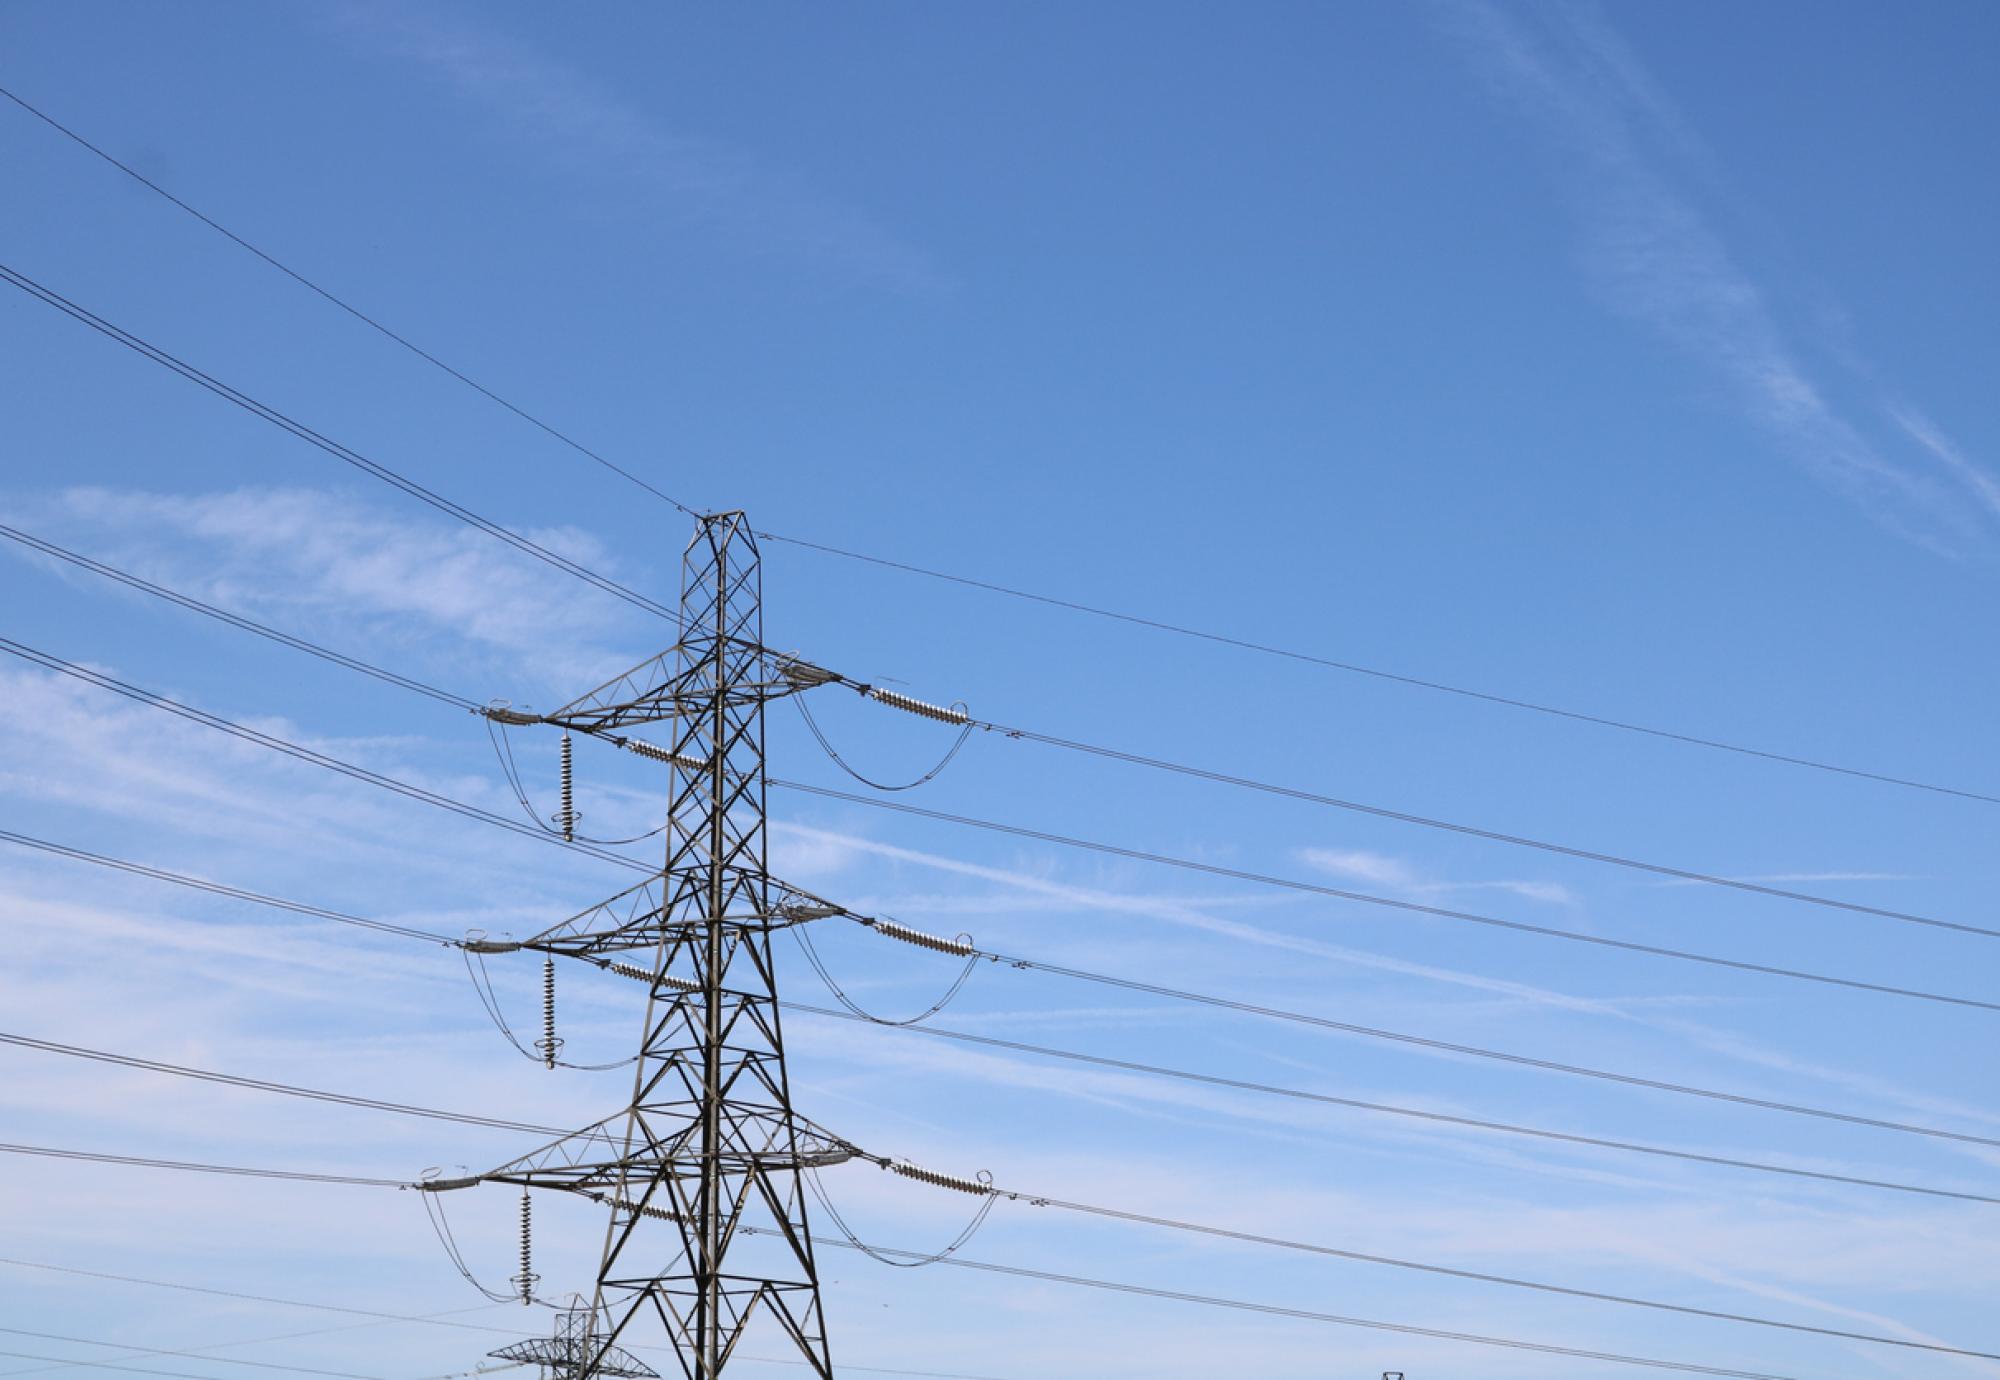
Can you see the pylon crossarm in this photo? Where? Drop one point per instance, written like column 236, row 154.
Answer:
column 573, row 1352
column 636, row 919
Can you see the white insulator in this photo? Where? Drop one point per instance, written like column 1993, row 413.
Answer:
column 961, row 947
column 660, row 754
column 648, row 1210
column 911, row 705
column 977, row 1187
column 638, row 974
column 566, row 816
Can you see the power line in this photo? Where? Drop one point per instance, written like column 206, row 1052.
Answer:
column 1448, row 826
column 235, row 620
column 1606, row 1075
column 205, row 1353
column 1363, row 1257
column 1311, row 1315
column 303, row 754
column 218, row 889
column 1036, row 1199
column 1344, row 1027
column 196, row 1167
column 1074, row 606
column 1339, row 893
column 1308, row 658
column 146, row 1370
column 358, row 315
column 432, row 1320
column 1393, row 903
column 1174, row 1295
column 265, row 1085
column 1390, row 1109
column 50, row 297
column 164, row 1351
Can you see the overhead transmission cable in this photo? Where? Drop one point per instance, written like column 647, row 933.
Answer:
column 1395, row 903
column 235, row 620
column 197, row 1167
column 163, row 1351
column 1323, row 1098
column 304, row 754
column 320, row 759
column 1681, row 874
column 151, row 1370
column 354, row 312
column 1217, row 870
column 431, row 1320
column 404, row 788
column 1483, row 1277
column 205, row 1353
column 235, row 1080
column 414, row 792
column 1338, row 893
column 1024, row 1272
column 218, row 889
column 987, row 586
column 1391, row 1109
column 1312, row 1315
column 50, row 297
column 395, row 678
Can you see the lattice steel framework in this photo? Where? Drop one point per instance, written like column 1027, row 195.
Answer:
column 708, row 1217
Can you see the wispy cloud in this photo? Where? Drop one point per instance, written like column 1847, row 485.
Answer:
column 579, row 125
column 1383, row 870
column 331, row 566
column 1194, row 918
column 1775, row 878
column 1634, row 169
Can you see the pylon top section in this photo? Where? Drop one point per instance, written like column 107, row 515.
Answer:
column 571, row 1352
column 721, row 621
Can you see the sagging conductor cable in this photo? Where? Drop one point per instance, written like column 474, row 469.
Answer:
column 49, row 297
column 803, row 675
column 904, row 1260
column 544, row 1051
column 984, row 1184
column 563, row 823
column 957, row 715
column 962, row 945
column 634, row 972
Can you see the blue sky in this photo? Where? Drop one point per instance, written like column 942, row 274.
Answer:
column 1632, row 359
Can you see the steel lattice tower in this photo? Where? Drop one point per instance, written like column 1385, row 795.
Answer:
column 703, row 1172
column 711, row 1127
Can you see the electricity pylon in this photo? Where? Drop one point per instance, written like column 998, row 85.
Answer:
column 702, row 1173
column 572, row 1353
